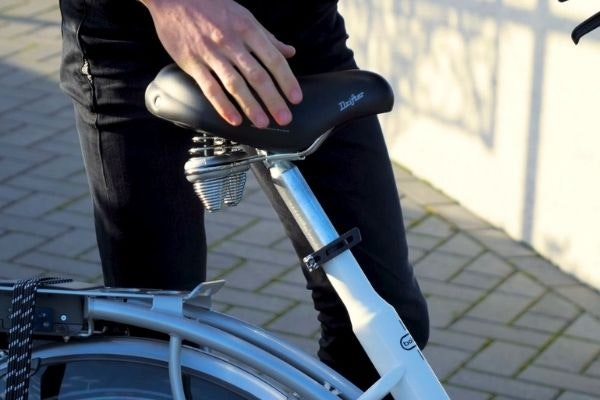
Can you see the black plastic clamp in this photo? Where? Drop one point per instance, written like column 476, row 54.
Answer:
column 338, row 246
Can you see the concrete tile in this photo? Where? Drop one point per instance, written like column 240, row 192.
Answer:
column 491, row 330
column 251, row 252
column 71, row 244
column 36, row 205
column 460, row 393
column 423, row 242
column 456, row 340
column 433, row 226
column 584, row 297
column 440, row 266
column 443, row 311
column 567, row 354
column 288, row 290
column 60, row 265
column 252, row 316
column 252, row 275
column 585, row 327
column 308, row 345
column 221, row 261
column 499, row 307
column 10, row 167
column 242, row 298
column 594, row 368
column 501, row 243
column 552, row 378
column 576, row 396
column 540, row 322
column 300, row 320
column 48, row 185
column 461, row 217
column 15, row 243
column 476, row 280
column 463, row 245
column 13, row 271
column 521, row 285
column 503, row 386
column 555, row 306
column 502, row 358
column 30, row 225
column 424, row 194
column 449, row 290
column 443, row 360
column 542, row 270
column 263, row 233
column 491, row 264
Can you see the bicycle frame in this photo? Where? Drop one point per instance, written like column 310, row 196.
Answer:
column 403, row 369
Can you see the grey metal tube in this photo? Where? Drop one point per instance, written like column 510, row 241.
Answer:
column 175, row 368
column 260, row 338
column 213, row 338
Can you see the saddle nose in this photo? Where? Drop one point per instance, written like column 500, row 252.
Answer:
column 329, row 100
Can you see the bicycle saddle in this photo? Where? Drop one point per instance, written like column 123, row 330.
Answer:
column 330, row 99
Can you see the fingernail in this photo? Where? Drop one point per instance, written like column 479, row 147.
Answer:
column 296, row 96
column 284, row 117
column 235, row 120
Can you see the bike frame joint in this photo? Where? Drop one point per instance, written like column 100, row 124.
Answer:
column 338, row 246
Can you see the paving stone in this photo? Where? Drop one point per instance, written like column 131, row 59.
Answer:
column 27, row 135
column 250, row 315
column 503, row 386
column 542, row 270
column 35, row 205
column 414, row 255
column 222, row 261
column 568, row 354
column 476, row 280
column 449, row 290
column 500, row 307
column 60, row 265
column 498, row 241
column 460, row 217
column 491, row 264
column 459, row 393
column 498, row 331
column 520, row 284
column 72, row 219
column 462, row 245
column 440, row 266
column 586, row 327
column 254, row 210
column 300, row 320
column 540, row 322
column 14, row 243
column 502, row 358
column 71, row 244
column 443, row 360
column 252, row 275
column 288, row 290
column 60, row 167
column 294, row 276
column 418, row 241
column 83, row 205
column 555, row 306
column 594, row 368
column 576, row 396
column 584, row 297
column 411, row 211
column 457, row 340
column 255, row 253
column 443, row 311
column 559, row 379
column 263, row 233
column 48, row 185
column 9, row 167
column 216, row 233
column 16, row 271
column 28, row 155
column 424, row 194
column 29, row 225
column 92, row 255
column 433, row 226
column 9, row 193
column 242, row 298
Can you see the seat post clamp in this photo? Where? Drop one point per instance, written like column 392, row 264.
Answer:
column 338, row 246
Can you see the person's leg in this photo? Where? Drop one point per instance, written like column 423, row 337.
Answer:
column 149, row 223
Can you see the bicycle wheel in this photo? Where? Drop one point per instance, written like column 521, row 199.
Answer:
column 136, row 369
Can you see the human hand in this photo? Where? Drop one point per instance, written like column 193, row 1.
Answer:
column 220, row 37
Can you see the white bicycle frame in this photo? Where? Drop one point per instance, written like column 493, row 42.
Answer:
column 403, row 369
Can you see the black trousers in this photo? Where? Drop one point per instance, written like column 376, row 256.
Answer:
column 149, row 223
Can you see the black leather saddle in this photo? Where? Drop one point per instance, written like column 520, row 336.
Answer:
column 329, row 100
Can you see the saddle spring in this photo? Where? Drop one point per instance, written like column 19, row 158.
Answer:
column 216, row 172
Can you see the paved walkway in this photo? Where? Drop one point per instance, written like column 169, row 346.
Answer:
column 506, row 324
